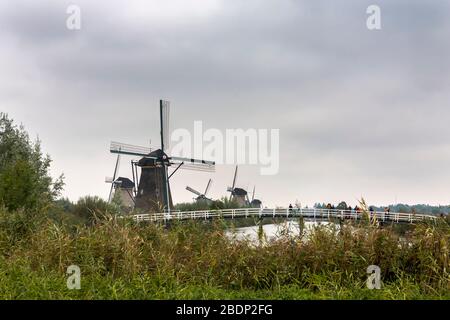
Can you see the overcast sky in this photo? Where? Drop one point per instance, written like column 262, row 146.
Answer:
column 360, row 113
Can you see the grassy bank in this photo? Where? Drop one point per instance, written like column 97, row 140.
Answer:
column 122, row 260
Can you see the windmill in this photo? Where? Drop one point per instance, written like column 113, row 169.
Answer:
column 238, row 194
column 201, row 197
column 255, row 203
column 123, row 187
column 153, row 192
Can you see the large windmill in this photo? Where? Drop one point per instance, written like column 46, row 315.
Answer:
column 238, row 194
column 201, row 197
column 153, row 192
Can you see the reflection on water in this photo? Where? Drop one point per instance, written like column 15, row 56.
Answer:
column 273, row 231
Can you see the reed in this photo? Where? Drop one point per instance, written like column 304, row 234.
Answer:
column 120, row 259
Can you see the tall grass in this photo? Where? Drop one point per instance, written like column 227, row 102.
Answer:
column 121, row 259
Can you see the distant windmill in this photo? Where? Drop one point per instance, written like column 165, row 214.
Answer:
column 123, row 187
column 238, row 194
column 201, row 197
column 154, row 188
column 255, row 203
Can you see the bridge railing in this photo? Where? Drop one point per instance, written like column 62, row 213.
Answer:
column 312, row 213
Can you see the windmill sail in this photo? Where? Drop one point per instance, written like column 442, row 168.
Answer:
column 208, row 187
column 165, row 121
column 194, row 164
column 129, row 149
column 194, row 161
column 116, row 171
column 193, row 191
column 234, row 183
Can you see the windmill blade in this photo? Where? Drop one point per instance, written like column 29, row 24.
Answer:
column 109, row 179
column 208, row 187
column 194, row 161
column 116, row 171
column 194, row 167
column 129, row 149
column 193, row 191
column 253, row 196
column 165, row 124
column 234, row 183
column 235, row 178
column 194, row 164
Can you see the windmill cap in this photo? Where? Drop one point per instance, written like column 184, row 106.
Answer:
column 239, row 192
column 150, row 161
column 125, row 183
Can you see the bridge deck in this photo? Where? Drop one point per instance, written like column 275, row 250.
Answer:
column 317, row 214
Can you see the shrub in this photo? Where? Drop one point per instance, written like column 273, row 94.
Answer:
column 93, row 208
column 25, row 181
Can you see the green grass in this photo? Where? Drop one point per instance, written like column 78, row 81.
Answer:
column 23, row 283
column 122, row 260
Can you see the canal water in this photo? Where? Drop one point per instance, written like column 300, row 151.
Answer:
column 273, row 231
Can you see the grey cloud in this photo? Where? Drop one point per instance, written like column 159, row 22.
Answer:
column 312, row 69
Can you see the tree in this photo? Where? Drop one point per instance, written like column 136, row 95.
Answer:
column 342, row 206
column 25, row 181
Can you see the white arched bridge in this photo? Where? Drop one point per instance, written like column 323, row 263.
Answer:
column 306, row 213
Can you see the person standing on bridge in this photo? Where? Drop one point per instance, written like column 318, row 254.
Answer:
column 386, row 212
column 328, row 208
column 290, row 208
